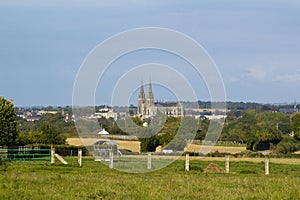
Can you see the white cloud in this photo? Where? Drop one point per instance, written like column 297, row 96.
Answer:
column 288, row 77
column 256, row 73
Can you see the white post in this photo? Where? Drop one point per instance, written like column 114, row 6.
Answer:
column 149, row 161
column 80, row 157
column 52, row 155
column 187, row 162
column 267, row 166
column 227, row 164
column 111, row 159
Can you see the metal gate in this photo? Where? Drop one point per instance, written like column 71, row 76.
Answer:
column 34, row 155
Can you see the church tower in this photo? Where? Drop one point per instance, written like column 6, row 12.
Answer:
column 141, row 101
column 150, row 102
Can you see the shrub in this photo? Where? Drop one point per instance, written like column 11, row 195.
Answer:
column 287, row 145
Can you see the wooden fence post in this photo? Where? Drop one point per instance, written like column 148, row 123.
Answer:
column 227, row 164
column 80, row 157
column 267, row 166
column 52, row 155
column 111, row 159
column 187, row 162
column 149, row 161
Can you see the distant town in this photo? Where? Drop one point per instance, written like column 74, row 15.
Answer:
column 200, row 109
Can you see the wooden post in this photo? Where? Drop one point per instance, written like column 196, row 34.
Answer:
column 149, row 161
column 111, row 159
column 80, row 157
column 52, row 155
column 227, row 164
column 267, row 166
column 187, row 162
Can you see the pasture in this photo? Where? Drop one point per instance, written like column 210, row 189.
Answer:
column 96, row 181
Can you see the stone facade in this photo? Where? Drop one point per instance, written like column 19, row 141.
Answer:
column 147, row 108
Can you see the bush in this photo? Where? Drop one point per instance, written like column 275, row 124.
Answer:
column 249, row 154
column 285, row 148
column 287, row 145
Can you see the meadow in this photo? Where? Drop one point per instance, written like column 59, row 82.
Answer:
column 94, row 180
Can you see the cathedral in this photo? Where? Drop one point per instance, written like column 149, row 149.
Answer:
column 147, row 108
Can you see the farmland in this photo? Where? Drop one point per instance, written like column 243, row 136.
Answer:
column 96, row 181
column 134, row 146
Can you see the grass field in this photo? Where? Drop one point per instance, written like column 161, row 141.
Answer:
column 95, row 181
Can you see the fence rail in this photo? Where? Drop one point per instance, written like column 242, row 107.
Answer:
column 25, row 154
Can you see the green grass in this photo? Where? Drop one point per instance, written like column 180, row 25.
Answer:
column 96, row 181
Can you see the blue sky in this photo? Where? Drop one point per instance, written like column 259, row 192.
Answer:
column 255, row 44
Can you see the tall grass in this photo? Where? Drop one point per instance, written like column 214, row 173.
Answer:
column 95, row 181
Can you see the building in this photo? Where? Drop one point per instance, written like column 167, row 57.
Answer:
column 147, row 108
column 107, row 113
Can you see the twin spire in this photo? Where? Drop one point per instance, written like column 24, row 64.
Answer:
column 142, row 92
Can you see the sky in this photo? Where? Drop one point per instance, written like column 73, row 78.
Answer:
column 254, row 44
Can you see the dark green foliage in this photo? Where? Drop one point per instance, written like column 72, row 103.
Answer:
column 257, row 129
column 8, row 123
column 202, row 129
column 67, row 128
column 149, row 144
column 295, row 123
column 287, row 145
column 106, row 123
column 50, row 134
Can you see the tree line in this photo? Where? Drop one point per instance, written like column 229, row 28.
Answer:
column 259, row 130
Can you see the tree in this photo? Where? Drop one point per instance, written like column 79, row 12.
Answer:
column 149, row 144
column 8, row 123
column 257, row 129
column 202, row 129
column 50, row 134
column 295, row 124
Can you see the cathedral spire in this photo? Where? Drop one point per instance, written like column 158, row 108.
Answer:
column 142, row 93
column 150, row 93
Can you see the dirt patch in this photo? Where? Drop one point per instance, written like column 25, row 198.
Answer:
column 213, row 168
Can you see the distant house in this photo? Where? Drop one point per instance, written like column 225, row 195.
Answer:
column 107, row 113
column 103, row 132
column 288, row 111
column 33, row 118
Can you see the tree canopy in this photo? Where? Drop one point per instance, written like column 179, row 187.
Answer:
column 8, row 123
column 257, row 129
column 295, row 123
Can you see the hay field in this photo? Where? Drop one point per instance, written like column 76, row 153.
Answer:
column 221, row 149
column 133, row 146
